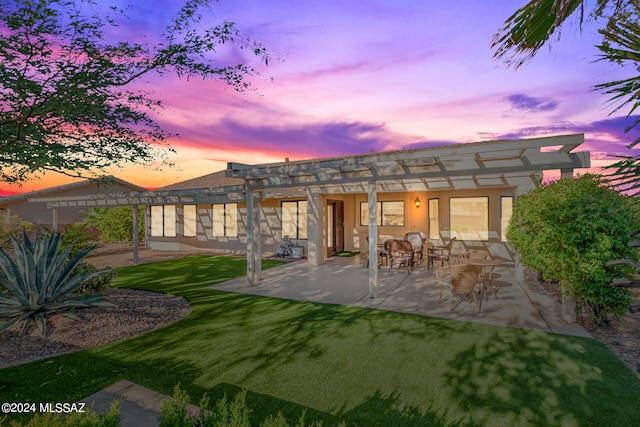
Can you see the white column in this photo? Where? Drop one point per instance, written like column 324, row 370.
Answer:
column 373, row 240
column 147, row 226
column 315, row 222
column 254, row 238
column 136, row 243
column 54, row 219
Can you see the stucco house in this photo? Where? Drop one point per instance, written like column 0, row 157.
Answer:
column 334, row 204
column 37, row 212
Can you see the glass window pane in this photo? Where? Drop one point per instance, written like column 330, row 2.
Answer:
column 156, row 221
column 364, row 213
column 170, row 221
column 189, row 212
column 434, row 218
column 469, row 218
column 232, row 220
column 393, row 214
column 217, row 220
column 302, row 219
column 289, row 210
column 506, row 210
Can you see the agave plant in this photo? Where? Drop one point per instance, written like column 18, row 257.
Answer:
column 41, row 280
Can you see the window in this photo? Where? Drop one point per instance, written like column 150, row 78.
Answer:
column 294, row 219
column 189, row 221
column 389, row 214
column 163, row 221
column 506, row 210
column 434, row 218
column 469, row 218
column 225, row 220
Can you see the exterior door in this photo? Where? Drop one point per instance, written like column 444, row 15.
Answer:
column 335, row 226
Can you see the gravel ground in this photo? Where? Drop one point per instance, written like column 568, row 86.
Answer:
column 134, row 312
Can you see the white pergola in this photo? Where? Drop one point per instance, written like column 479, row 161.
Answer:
column 516, row 164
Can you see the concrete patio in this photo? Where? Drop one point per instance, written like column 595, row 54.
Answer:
column 343, row 280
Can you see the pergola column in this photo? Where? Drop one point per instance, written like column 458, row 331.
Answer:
column 135, row 234
column 254, row 238
column 373, row 238
column 314, row 229
column 54, row 219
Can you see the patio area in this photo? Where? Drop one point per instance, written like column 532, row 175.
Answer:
column 344, row 280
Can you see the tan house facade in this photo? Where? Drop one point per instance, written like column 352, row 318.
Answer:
column 331, row 205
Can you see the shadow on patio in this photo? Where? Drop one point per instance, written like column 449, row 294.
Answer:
column 345, row 281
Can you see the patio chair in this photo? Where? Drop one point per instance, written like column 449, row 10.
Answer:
column 400, row 253
column 459, row 280
column 418, row 242
column 441, row 253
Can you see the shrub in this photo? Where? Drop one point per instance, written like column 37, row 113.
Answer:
column 78, row 236
column 40, row 282
column 98, row 283
column 12, row 225
column 116, row 225
column 74, row 419
column 223, row 414
column 568, row 230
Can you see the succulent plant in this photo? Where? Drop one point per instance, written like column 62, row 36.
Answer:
column 40, row 281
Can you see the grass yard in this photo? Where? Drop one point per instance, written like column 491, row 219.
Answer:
column 365, row 367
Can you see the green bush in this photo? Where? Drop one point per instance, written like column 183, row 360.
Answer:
column 12, row 226
column 568, row 230
column 74, row 419
column 79, row 236
column 116, row 224
column 223, row 414
column 41, row 282
column 98, row 283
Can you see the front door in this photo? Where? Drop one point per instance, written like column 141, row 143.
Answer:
column 335, row 227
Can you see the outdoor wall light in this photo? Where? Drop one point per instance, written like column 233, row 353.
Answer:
column 417, row 202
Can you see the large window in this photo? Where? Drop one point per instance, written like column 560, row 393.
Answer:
column 189, row 221
column 434, row 218
column 506, row 210
column 469, row 218
column 294, row 219
column 225, row 220
column 389, row 214
column 163, row 221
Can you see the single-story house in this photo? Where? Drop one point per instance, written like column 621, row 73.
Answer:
column 37, row 213
column 336, row 204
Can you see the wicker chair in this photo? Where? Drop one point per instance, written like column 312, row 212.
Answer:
column 460, row 280
column 441, row 253
column 418, row 242
column 400, row 253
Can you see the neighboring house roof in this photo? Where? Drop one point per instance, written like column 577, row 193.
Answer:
column 109, row 180
column 212, row 180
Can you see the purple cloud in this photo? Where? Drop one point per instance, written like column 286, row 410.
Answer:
column 524, row 102
column 604, row 138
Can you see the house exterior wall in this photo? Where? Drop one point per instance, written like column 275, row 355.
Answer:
column 416, row 219
column 271, row 231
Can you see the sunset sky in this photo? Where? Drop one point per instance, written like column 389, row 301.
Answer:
column 349, row 77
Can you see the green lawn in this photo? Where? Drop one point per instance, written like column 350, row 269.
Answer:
column 366, row 367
